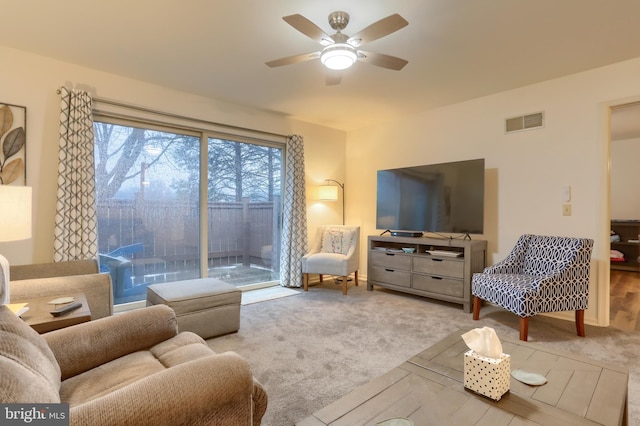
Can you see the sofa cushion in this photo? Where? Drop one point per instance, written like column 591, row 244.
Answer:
column 29, row 370
column 109, row 377
column 336, row 240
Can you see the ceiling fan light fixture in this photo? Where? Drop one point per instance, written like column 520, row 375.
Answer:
column 338, row 56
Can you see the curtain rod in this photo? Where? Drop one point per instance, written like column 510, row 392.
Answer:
column 180, row 117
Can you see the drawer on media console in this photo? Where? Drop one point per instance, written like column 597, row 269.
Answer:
column 438, row 266
column 390, row 276
column 438, row 285
column 391, row 260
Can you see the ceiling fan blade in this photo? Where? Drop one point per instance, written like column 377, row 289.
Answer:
column 293, row 59
column 381, row 28
column 333, row 78
column 309, row 29
column 381, row 60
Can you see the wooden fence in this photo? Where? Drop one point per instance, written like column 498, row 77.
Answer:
column 169, row 233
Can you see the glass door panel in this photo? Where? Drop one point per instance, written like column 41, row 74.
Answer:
column 244, row 188
column 146, row 180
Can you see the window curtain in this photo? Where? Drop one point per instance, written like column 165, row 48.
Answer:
column 294, row 215
column 76, row 231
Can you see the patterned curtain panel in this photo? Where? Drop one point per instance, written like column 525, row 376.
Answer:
column 294, row 215
column 76, row 235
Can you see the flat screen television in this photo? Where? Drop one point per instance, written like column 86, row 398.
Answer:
column 439, row 198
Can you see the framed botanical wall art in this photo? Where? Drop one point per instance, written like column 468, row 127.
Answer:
column 13, row 139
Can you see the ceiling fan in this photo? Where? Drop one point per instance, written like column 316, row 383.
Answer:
column 341, row 51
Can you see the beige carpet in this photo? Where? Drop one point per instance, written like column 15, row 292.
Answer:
column 310, row 349
column 269, row 293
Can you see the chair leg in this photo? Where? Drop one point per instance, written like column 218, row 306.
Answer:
column 356, row 278
column 305, row 281
column 580, row 322
column 476, row 307
column 344, row 285
column 320, row 277
column 524, row 328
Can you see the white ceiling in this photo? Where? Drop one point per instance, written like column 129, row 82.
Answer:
column 457, row 49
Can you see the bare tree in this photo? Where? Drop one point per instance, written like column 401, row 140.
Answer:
column 118, row 154
column 238, row 170
column 235, row 170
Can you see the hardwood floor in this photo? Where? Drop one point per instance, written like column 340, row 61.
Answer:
column 625, row 300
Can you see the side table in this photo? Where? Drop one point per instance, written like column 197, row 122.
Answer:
column 39, row 318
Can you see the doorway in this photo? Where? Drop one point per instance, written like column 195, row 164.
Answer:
column 624, row 306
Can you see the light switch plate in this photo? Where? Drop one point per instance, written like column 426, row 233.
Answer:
column 566, row 193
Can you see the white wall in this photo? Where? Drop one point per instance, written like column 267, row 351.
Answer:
column 30, row 80
column 324, row 153
column 525, row 171
column 625, row 176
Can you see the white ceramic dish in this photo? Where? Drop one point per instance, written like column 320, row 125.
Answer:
column 532, row 379
column 61, row 300
column 444, row 253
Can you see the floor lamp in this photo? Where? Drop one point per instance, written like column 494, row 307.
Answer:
column 329, row 192
column 15, row 224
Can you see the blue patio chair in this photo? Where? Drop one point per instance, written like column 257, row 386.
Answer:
column 118, row 264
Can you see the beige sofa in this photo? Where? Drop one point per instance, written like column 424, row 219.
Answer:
column 60, row 278
column 128, row 369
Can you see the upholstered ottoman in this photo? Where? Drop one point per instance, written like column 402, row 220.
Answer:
column 205, row 306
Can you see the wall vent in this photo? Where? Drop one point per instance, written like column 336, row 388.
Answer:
column 524, row 122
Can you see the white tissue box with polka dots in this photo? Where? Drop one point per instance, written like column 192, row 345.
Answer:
column 487, row 376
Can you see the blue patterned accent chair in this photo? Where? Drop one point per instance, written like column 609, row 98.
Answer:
column 541, row 274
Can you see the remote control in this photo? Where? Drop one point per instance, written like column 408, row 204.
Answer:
column 70, row 307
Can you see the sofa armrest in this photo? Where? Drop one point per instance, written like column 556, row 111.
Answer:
column 511, row 264
column 54, row 269
column 96, row 288
column 85, row 346
column 216, row 389
column 500, row 268
column 260, row 401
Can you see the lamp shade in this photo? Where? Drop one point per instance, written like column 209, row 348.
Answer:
column 15, row 213
column 328, row 193
column 338, row 56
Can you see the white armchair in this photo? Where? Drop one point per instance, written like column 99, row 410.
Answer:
column 335, row 251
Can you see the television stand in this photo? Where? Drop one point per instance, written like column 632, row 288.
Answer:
column 465, row 236
column 438, row 268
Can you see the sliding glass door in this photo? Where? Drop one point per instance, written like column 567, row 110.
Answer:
column 243, row 237
column 153, row 225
